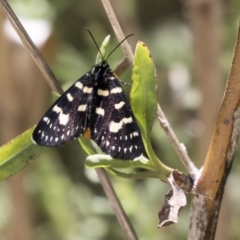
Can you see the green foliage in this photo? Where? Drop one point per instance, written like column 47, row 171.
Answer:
column 144, row 100
column 17, row 154
column 143, row 93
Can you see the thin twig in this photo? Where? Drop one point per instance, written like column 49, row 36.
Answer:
column 121, row 215
column 180, row 150
column 121, row 67
column 52, row 81
column 33, row 50
column 118, row 31
column 122, row 218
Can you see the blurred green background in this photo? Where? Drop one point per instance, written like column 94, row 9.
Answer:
column 56, row 197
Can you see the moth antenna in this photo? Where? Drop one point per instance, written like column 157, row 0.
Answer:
column 93, row 40
column 118, row 45
column 98, row 46
column 124, row 83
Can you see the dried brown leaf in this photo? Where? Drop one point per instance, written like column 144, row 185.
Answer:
column 175, row 199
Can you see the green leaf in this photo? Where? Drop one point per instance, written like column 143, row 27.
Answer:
column 87, row 146
column 143, row 97
column 103, row 50
column 106, row 161
column 17, row 154
column 143, row 94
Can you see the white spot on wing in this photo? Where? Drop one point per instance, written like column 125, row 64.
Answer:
column 116, row 90
column 100, row 111
column 79, row 85
column 63, row 118
column 101, row 92
column 107, row 143
column 45, row 119
column 87, row 90
column 125, row 150
column 130, row 149
column 135, row 134
column 116, row 126
column 113, row 147
column 69, row 97
column 119, row 105
column 57, row 109
column 82, row 108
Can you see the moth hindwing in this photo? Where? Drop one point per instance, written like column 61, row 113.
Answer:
column 96, row 107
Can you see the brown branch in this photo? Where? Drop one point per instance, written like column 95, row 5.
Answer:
column 219, row 158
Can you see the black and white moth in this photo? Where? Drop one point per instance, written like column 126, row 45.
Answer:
column 95, row 107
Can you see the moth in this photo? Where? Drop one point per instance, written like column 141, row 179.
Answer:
column 95, row 107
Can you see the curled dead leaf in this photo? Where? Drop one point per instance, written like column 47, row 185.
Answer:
column 175, row 199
